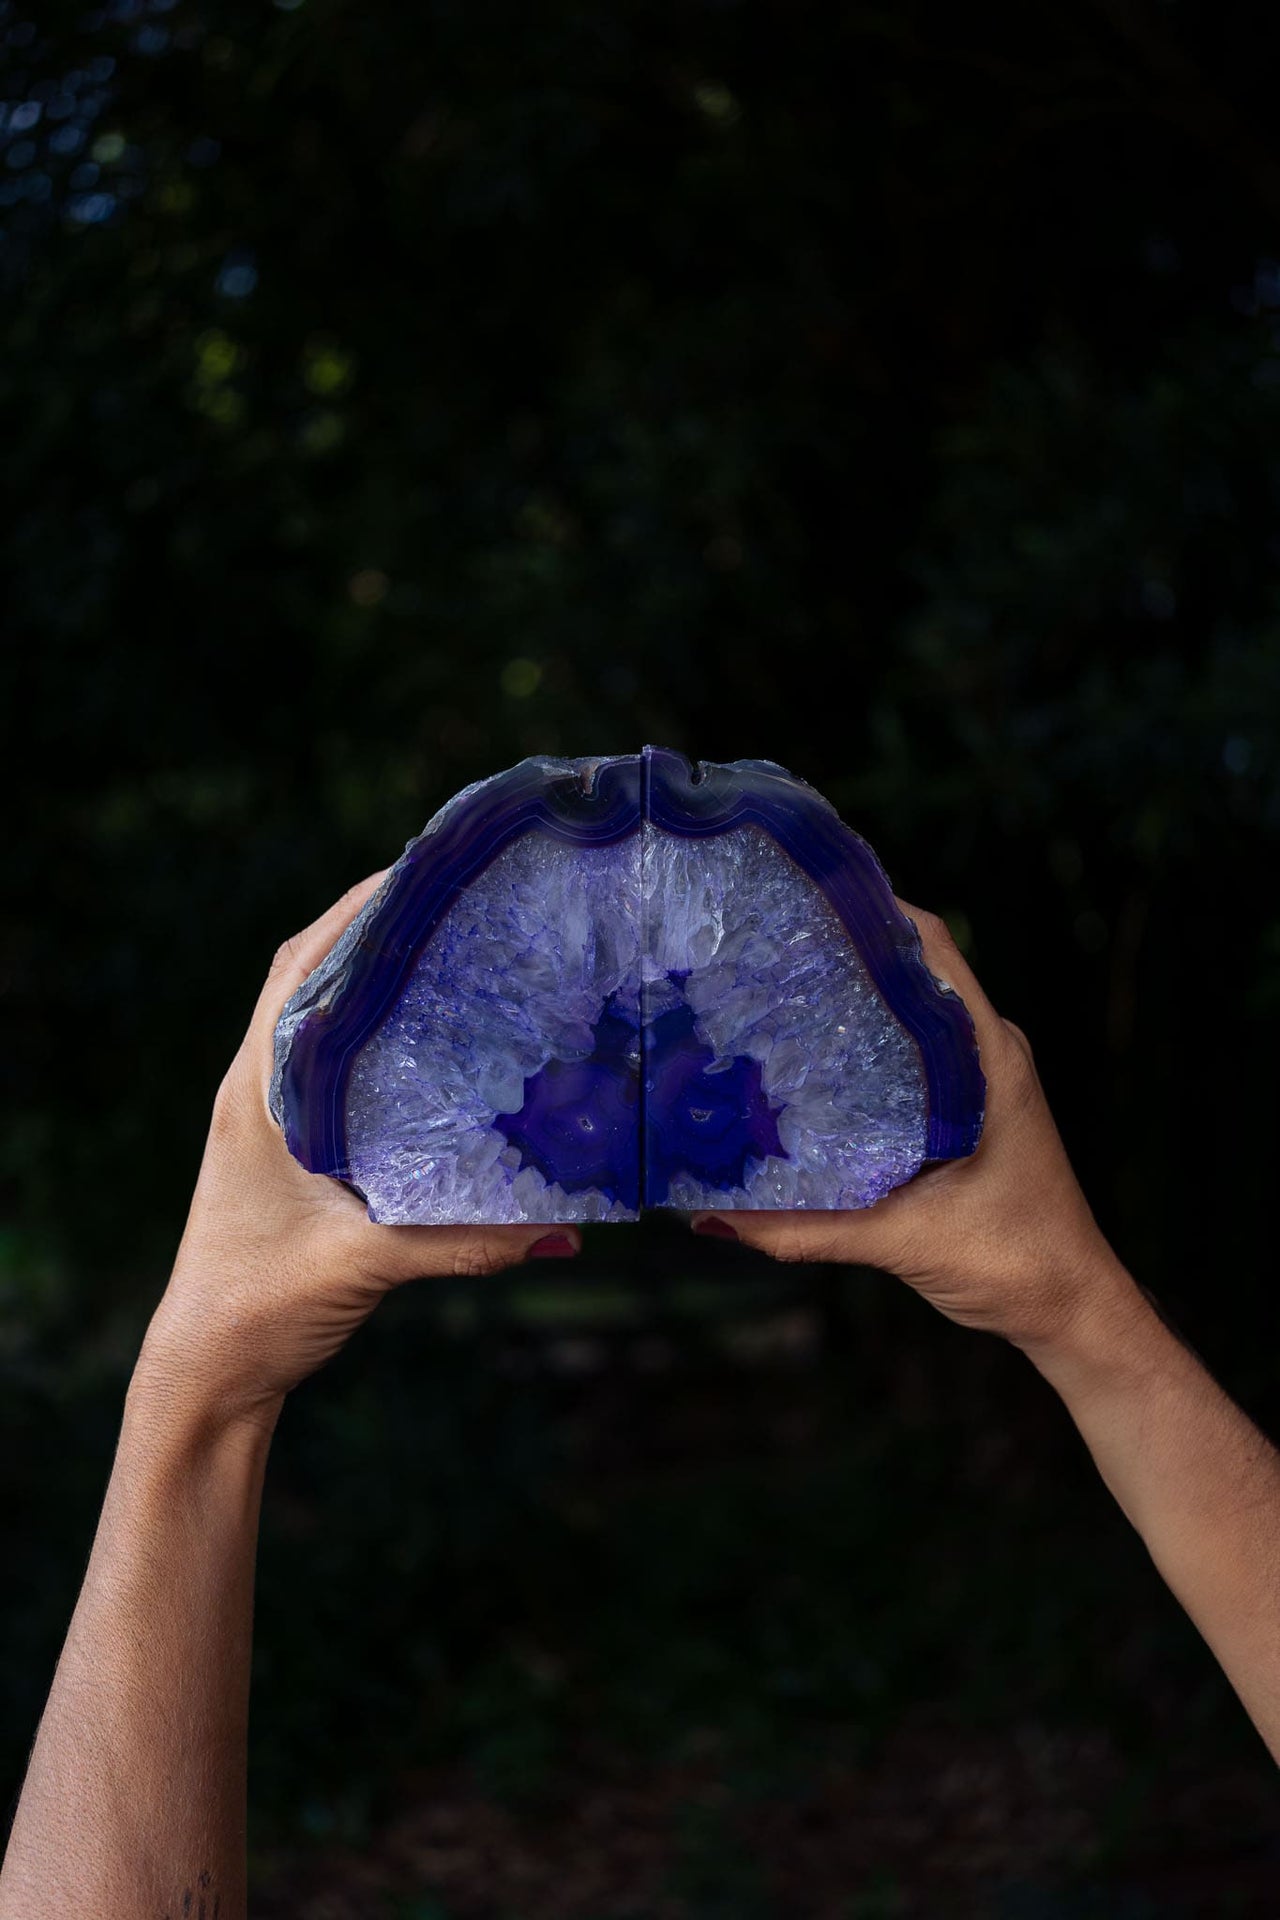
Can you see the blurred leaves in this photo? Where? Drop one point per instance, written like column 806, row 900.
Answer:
column 452, row 386
column 391, row 392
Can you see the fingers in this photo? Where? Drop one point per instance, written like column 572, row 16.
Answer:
column 397, row 1254
column 865, row 1237
column 302, row 952
column 946, row 962
column 880, row 1236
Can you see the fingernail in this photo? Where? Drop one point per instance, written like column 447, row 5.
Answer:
column 717, row 1229
column 552, row 1246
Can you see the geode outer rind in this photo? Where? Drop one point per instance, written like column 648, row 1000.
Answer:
column 705, row 1130
column 584, row 802
column 713, row 799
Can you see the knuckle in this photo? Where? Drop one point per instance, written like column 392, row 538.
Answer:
column 1024, row 1082
column 478, row 1254
column 1020, row 1037
column 934, row 926
column 792, row 1246
column 285, row 954
column 230, row 1100
column 355, row 896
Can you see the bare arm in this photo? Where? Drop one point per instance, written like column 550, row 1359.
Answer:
column 134, row 1801
column 1196, row 1478
column 1005, row 1242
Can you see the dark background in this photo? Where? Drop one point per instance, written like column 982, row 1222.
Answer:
column 388, row 391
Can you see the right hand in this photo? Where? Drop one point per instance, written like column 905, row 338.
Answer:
column 278, row 1267
column 1004, row 1240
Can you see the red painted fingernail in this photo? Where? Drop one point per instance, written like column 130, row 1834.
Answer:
column 552, row 1246
column 717, row 1229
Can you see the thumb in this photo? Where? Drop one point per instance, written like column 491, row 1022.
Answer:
column 397, row 1254
column 867, row 1236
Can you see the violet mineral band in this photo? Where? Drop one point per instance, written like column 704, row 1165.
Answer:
column 597, row 984
column 583, row 803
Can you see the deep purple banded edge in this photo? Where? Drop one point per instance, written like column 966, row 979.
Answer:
column 597, row 808
column 714, row 799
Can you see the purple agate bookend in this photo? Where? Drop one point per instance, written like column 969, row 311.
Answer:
column 599, row 984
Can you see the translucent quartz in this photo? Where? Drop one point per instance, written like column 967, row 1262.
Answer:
column 516, row 975
column 772, row 976
column 688, row 965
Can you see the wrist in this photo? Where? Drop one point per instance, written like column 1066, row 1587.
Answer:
column 182, row 1398
column 1112, row 1333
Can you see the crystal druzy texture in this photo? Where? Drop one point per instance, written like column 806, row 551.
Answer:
column 592, row 985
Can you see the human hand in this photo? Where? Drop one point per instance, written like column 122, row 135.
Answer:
column 278, row 1266
column 1003, row 1240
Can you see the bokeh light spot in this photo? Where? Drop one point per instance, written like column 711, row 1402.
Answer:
column 326, row 369
column 91, row 208
column 520, row 678
column 238, row 276
column 368, row 588
column 715, row 100
column 217, row 355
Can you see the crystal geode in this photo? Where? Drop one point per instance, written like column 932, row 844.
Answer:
column 600, row 984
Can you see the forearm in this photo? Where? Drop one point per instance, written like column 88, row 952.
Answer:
column 134, row 1801
column 1195, row 1477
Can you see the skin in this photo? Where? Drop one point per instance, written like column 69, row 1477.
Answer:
column 1004, row 1242
column 134, row 1801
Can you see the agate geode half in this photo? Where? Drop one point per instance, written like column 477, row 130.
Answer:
column 600, row 984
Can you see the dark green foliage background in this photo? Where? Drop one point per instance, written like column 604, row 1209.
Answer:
column 894, row 393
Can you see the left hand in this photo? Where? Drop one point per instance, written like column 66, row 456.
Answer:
column 1003, row 1241
column 278, row 1267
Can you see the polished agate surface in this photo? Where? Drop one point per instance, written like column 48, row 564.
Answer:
column 595, row 985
